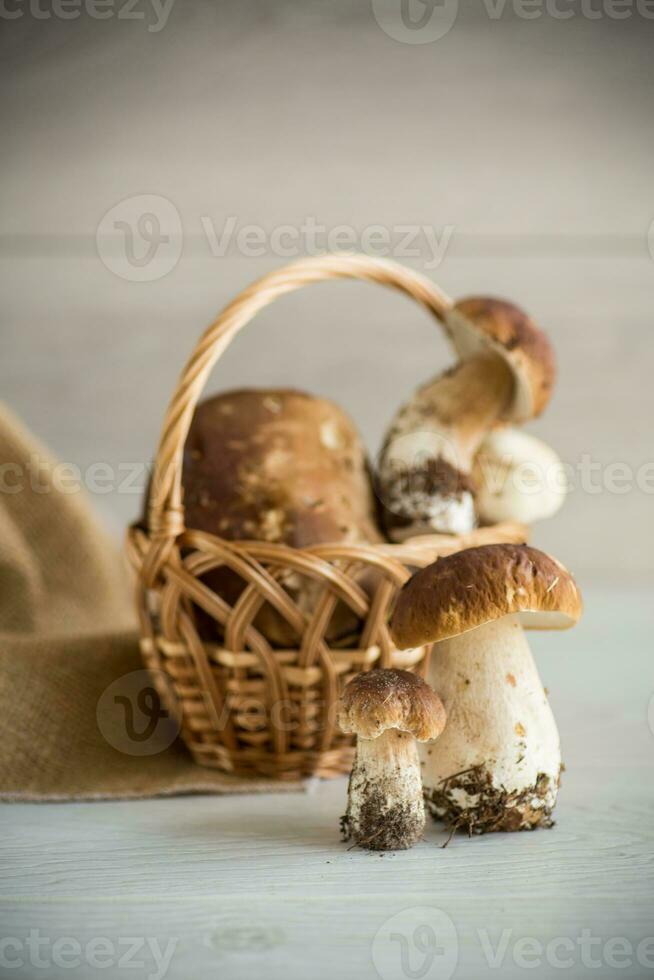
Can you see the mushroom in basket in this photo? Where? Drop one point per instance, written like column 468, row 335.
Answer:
column 517, row 477
column 388, row 710
column 283, row 467
column 506, row 373
column 498, row 762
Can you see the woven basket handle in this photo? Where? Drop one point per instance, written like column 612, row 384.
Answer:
column 166, row 512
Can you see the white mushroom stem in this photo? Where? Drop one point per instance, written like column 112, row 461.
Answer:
column 385, row 800
column 500, row 735
column 431, row 444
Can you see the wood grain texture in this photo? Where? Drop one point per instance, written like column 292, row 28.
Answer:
column 253, row 885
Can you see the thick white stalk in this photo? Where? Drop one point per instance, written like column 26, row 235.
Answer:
column 497, row 764
column 385, row 801
column 424, row 473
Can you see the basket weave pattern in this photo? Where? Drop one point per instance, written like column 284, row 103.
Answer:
column 244, row 706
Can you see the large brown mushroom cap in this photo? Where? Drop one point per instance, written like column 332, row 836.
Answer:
column 381, row 699
column 277, row 465
column 478, row 585
column 482, row 322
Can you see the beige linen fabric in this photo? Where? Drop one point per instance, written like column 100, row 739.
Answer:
column 66, row 634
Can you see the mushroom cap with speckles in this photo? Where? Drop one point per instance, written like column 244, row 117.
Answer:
column 465, row 590
column 482, row 322
column 377, row 700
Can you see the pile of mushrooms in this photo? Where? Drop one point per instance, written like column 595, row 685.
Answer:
column 441, row 449
column 490, row 758
column 452, row 459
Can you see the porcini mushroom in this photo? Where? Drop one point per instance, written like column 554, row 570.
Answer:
column 387, row 710
column 498, row 762
column 506, row 373
column 517, row 478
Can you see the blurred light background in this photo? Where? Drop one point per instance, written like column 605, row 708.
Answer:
column 524, row 145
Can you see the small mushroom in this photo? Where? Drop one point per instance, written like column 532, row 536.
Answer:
column 498, row 763
column 517, row 478
column 506, row 373
column 387, row 710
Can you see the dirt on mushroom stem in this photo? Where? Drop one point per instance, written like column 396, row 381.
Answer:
column 498, row 759
column 495, row 809
column 385, row 801
column 424, row 473
column 380, row 827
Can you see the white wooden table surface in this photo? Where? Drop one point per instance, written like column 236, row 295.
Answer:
column 241, row 887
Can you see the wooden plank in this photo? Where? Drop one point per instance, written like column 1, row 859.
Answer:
column 354, row 937
column 240, row 883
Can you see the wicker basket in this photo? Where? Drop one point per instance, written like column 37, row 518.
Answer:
column 244, row 706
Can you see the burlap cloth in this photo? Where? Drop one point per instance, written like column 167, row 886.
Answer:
column 67, row 641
